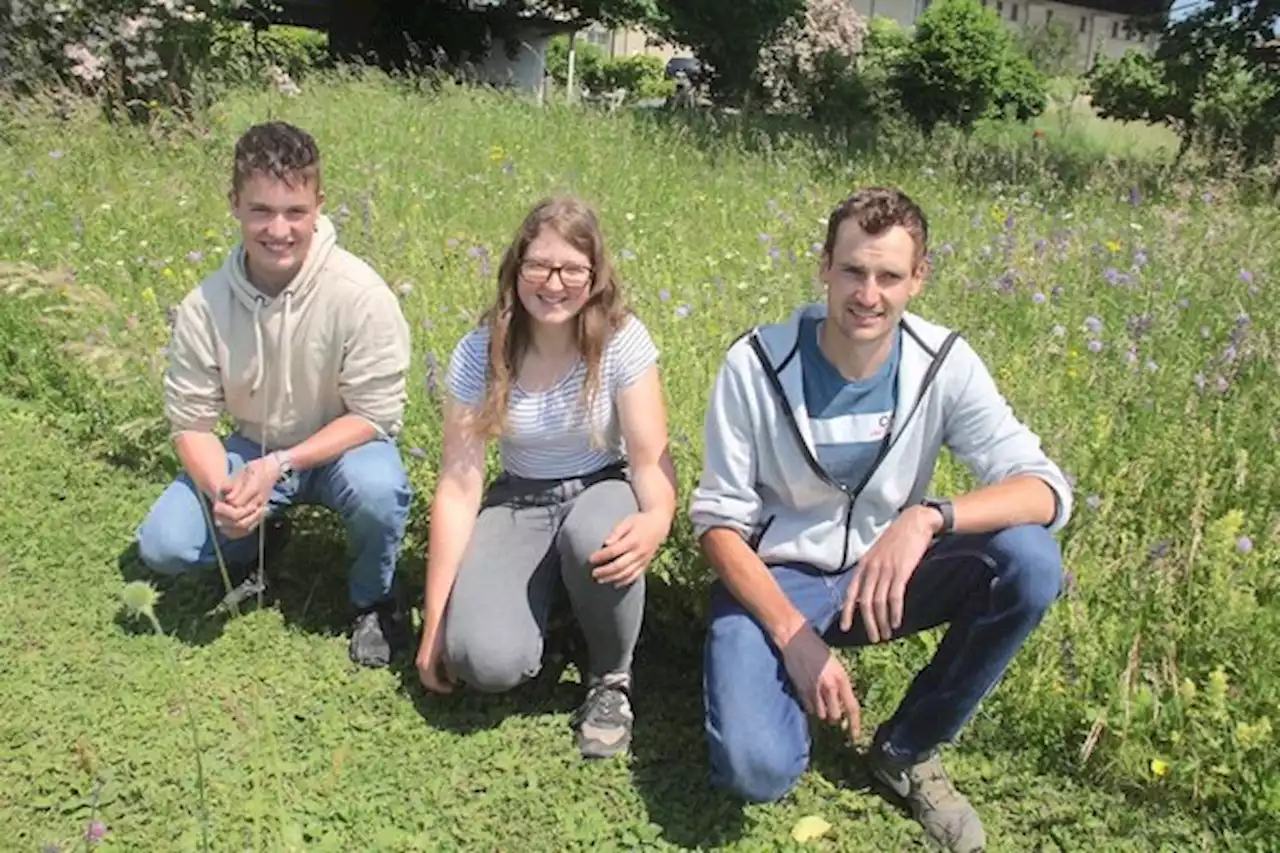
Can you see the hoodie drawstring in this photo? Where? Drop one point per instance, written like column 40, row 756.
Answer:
column 257, row 340
column 286, row 350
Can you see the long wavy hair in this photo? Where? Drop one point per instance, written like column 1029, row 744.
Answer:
column 511, row 326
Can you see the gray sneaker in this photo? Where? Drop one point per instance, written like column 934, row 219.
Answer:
column 950, row 822
column 603, row 722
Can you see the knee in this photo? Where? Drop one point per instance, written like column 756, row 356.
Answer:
column 165, row 547
column 1031, row 565
column 483, row 661
column 378, row 494
column 754, row 767
column 596, row 513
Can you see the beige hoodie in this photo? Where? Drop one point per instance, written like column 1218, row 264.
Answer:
column 333, row 342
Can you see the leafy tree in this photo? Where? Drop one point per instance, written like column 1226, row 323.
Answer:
column 1053, row 47
column 963, row 65
column 1214, row 78
column 727, row 35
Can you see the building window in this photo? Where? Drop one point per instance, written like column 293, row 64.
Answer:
column 1000, row 8
column 1048, row 15
column 1013, row 12
column 1115, row 29
column 1084, row 23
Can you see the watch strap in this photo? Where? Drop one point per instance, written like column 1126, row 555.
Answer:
column 946, row 510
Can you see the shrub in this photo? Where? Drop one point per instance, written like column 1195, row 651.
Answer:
column 641, row 75
column 588, row 63
column 238, row 55
column 813, row 57
column 130, row 54
column 963, row 66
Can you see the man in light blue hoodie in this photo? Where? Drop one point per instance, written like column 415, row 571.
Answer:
column 821, row 438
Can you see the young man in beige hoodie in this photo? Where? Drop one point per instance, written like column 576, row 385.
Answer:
column 304, row 346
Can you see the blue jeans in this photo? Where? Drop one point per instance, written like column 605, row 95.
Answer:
column 991, row 589
column 367, row 486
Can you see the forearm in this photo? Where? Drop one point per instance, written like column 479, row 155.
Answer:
column 204, row 459
column 453, row 514
column 331, row 441
column 751, row 583
column 654, row 484
column 1016, row 501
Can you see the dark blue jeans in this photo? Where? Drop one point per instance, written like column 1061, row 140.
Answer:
column 991, row 589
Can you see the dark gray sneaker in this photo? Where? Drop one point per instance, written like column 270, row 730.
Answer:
column 376, row 635
column 604, row 720
column 950, row 822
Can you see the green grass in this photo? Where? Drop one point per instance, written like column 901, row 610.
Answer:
column 1161, row 651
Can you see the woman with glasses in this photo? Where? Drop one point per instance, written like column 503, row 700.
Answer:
column 564, row 377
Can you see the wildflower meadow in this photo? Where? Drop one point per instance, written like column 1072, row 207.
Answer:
column 1127, row 312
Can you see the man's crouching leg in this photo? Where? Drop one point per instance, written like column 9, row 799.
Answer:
column 756, row 728
column 369, row 487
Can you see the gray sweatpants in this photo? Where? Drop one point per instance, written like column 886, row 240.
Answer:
column 529, row 536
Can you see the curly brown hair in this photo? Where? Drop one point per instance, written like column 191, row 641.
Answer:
column 876, row 210
column 278, row 149
column 510, row 326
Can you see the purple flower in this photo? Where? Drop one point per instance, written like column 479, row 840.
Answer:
column 509, row 167
column 57, row 153
column 1059, row 331
column 451, row 243
column 1244, row 544
column 682, row 311
column 1140, row 258
column 1246, row 276
column 1093, row 502
column 1038, row 298
column 1221, row 385
column 664, row 295
column 628, row 255
column 1160, row 549
column 1200, row 381
column 95, row 831
column 1229, row 354
column 765, row 238
column 1095, row 346
column 775, row 252
column 1135, row 196
column 816, row 248
column 1184, row 303
column 1132, row 355
column 1093, row 324
column 195, row 256
column 1151, row 366
column 417, row 453
column 477, row 252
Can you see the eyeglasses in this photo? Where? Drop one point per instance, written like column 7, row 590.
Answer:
column 573, row 276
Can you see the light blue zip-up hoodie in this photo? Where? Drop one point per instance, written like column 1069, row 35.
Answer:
column 761, row 475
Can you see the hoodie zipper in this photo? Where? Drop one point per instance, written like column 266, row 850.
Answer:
column 886, row 444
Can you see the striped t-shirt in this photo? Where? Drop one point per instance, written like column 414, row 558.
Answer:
column 848, row 418
column 547, row 436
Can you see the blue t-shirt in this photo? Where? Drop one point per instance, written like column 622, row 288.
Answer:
column 848, row 419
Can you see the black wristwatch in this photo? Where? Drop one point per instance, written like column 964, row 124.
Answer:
column 945, row 509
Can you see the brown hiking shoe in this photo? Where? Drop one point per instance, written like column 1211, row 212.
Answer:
column 950, row 822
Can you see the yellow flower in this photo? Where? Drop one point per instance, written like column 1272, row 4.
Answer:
column 1159, row 767
column 148, row 296
column 497, row 154
column 167, row 273
column 1112, row 246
